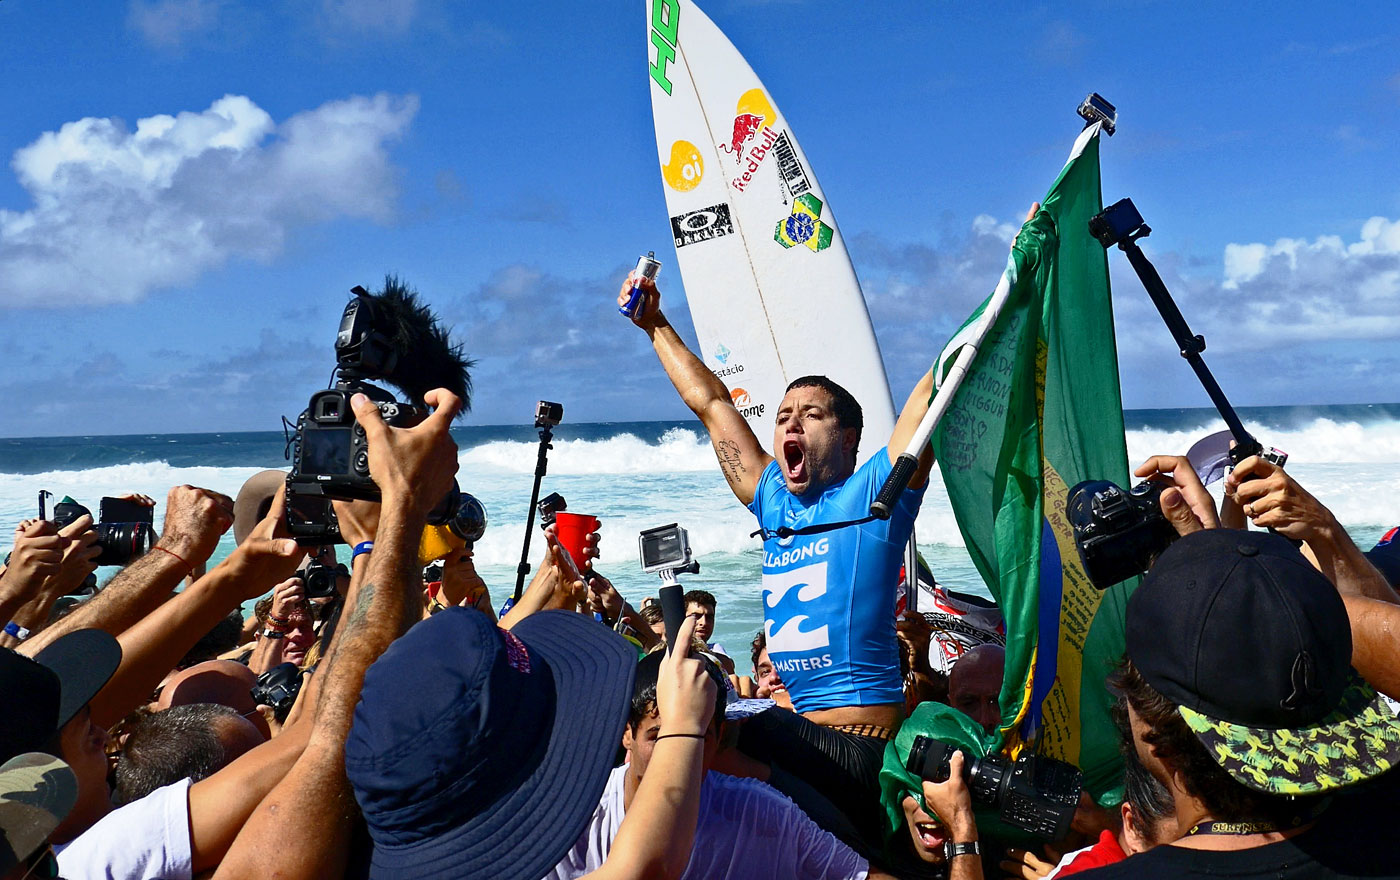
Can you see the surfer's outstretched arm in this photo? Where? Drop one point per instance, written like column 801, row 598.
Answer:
column 741, row 456
column 908, row 423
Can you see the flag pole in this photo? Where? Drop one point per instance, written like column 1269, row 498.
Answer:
column 908, row 460
column 1098, row 115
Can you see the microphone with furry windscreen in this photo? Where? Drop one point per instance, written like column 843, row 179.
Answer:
column 390, row 336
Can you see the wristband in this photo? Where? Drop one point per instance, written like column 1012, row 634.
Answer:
column 181, row 559
column 686, row 735
column 953, row 850
column 14, row 629
column 273, row 634
column 362, row 547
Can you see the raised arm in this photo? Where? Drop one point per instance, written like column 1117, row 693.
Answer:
column 741, row 456
column 656, row 835
column 1271, row 498
column 152, row 647
column 194, row 521
column 908, row 423
column 414, row 468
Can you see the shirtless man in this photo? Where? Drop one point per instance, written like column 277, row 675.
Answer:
column 828, row 598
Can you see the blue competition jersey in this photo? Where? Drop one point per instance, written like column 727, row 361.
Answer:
column 829, row 598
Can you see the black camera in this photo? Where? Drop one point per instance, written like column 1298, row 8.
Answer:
column 318, row 579
column 124, row 530
column 1035, row 794
column 550, row 505
column 1117, row 223
column 1119, row 533
column 389, row 336
column 547, row 414
column 278, row 688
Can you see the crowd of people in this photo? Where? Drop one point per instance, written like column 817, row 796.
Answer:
column 389, row 724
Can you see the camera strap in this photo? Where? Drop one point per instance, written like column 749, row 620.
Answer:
column 783, row 532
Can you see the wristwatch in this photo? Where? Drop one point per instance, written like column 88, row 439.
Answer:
column 953, row 850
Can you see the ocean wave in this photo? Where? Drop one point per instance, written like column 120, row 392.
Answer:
column 679, row 450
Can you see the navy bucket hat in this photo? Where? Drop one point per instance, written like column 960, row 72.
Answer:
column 477, row 752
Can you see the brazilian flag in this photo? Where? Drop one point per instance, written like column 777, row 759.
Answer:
column 1038, row 411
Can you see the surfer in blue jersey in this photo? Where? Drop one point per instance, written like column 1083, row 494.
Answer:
column 828, row 597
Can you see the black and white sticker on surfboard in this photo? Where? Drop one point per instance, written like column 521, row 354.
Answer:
column 701, row 225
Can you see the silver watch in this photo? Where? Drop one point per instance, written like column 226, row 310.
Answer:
column 953, row 850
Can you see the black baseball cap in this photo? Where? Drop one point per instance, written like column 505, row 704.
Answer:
column 477, row 752
column 42, row 694
column 1254, row 645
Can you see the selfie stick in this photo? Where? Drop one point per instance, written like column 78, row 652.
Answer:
column 672, row 606
column 1121, row 224
column 541, row 466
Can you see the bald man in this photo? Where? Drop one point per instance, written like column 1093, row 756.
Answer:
column 975, row 684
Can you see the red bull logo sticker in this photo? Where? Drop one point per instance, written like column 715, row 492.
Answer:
column 752, row 135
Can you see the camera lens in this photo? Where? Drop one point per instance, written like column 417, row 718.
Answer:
column 469, row 523
column 123, row 542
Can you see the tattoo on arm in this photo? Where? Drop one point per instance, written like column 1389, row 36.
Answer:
column 730, row 460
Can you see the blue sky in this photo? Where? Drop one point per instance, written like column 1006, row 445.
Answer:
column 186, row 273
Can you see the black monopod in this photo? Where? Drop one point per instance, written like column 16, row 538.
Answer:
column 1121, row 224
column 547, row 415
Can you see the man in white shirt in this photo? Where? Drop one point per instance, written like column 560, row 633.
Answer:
column 746, row 828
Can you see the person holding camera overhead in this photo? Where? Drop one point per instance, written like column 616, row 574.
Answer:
column 828, row 597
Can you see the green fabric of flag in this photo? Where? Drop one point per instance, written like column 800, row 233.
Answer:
column 1038, row 411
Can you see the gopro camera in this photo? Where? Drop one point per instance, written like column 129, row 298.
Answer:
column 548, row 414
column 665, row 548
column 1096, row 109
column 1117, row 223
column 550, row 505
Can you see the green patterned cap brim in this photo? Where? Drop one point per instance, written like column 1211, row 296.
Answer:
column 1359, row 740
column 36, row 793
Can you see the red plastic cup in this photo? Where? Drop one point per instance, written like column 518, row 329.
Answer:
column 572, row 530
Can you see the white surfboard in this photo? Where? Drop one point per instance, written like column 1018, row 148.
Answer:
column 771, row 289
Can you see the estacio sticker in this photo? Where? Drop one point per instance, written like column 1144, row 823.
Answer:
column 686, row 169
column 804, row 225
column 701, row 225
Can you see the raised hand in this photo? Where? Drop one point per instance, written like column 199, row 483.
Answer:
column 685, row 693
column 1185, row 502
column 195, row 519
column 651, row 298
column 413, row 465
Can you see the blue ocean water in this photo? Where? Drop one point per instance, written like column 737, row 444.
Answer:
column 635, row 475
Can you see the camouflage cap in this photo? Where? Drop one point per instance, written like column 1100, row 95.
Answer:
column 1253, row 644
column 36, row 793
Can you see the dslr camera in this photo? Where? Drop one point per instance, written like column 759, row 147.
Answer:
column 278, row 688
column 1119, row 533
column 124, row 530
column 318, row 579
column 1037, row 795
column 388, row 336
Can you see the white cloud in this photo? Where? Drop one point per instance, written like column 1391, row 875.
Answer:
column 118, row 213
column 1320, row 289
column 168, row 23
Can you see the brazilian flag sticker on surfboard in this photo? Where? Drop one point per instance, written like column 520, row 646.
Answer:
column 804, row 225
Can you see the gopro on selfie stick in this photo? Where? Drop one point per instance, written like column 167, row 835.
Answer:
column 665, row 550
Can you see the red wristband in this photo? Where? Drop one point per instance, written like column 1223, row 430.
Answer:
column 188, row 568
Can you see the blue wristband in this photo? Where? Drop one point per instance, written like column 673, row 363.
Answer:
column 362, row 547
column 14, row 629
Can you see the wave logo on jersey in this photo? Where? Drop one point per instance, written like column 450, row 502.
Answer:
column 686, row 169
column 787, row 596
